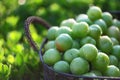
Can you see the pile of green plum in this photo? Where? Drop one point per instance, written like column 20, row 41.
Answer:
column 87, row 45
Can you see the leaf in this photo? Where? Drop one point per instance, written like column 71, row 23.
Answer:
column 18, row 48
column 14, row 37
column 12, row 20
column 1, row 42
column 19, row 60
column 1, row 54
column 5, row 70
column 10, row 59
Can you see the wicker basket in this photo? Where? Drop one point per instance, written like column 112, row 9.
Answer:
column 49, row 73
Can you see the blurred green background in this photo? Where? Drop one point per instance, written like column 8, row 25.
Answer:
column 18, row 61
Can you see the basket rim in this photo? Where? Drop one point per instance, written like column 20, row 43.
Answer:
column 81, row 76
column 68, row 74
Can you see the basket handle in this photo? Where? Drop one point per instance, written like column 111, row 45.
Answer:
column 30, row 20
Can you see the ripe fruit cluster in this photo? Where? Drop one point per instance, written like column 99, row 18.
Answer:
column 87, row 45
